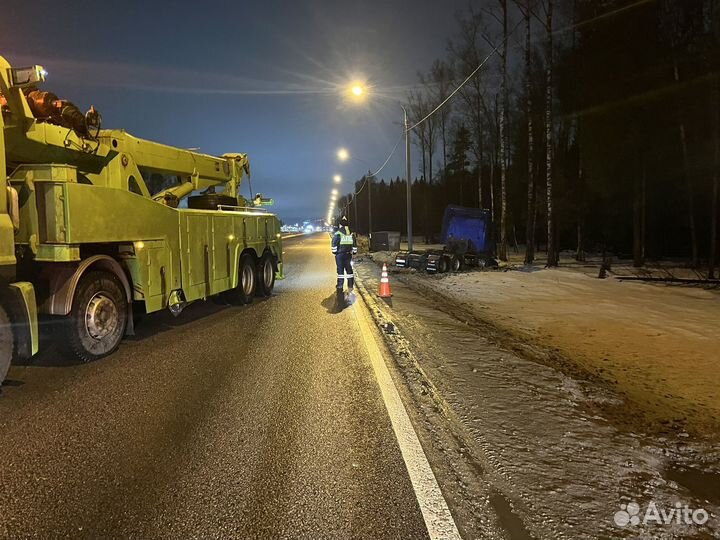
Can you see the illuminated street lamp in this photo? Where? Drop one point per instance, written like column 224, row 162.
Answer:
column 356, row 91
column 337, row 178
column 359, row 91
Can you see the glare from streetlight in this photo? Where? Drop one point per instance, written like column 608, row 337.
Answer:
column 337, row 178
column 343, row 154
column 335, row 192
column 357, row 91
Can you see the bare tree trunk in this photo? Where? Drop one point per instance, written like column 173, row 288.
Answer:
column 643, row 212
column 552, row 255
column 480, row 197
column 580, row 208
column 714, row 226
column 716, row 181
column 690, row 197
column 535, row 212
column 502, row 253
column 639, row 219
column 479, row 142
column 443, row 128
column 530, row 226
column 580, row 201
column 580, row 249
column 493, row 162
column 686, row 173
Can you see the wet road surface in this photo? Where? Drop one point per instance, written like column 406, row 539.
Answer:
column 257, row 421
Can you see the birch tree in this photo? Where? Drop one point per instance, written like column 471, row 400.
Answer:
column 552, row 250
column 467, row 54
column 530, row 225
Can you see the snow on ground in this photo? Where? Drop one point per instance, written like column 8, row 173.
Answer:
column 658, row 344
column 554, row 445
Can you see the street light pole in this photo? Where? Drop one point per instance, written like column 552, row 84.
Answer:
column 369, row 181
column 358, row 92
column 356, row 222
column 409, row 181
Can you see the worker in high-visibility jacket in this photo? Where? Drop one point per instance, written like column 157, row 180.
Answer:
column 344, row 246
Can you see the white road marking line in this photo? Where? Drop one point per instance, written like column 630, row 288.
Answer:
column 435, row 511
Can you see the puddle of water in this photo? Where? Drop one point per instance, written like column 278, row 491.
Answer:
column 705, row 484
column 509, row 520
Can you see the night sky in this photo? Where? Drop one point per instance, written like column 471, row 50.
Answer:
column 260, row 77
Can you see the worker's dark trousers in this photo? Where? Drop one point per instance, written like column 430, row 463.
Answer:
column 344, row 266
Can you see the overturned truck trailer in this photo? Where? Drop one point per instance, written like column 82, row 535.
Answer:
column 468, row 239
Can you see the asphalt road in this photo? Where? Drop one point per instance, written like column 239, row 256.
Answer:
column 262, row 421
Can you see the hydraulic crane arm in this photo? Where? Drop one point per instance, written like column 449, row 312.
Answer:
column 41, row 128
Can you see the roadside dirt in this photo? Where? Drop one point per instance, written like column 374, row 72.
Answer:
column 557, row 448
column 657, row 346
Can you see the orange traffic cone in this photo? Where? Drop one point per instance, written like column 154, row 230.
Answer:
column 384, row 283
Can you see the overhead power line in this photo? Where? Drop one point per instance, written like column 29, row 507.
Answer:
column 467, row 79
column 379, row 170
column 578, row 24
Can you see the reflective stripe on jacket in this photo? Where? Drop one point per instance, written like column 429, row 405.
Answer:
column 343, row 241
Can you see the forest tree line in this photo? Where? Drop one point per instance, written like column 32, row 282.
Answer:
column 594, row 126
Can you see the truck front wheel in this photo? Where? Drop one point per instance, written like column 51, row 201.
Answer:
column 7, row 343
column 96, row 323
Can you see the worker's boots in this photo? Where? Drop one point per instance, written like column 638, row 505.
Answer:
column 339, row 299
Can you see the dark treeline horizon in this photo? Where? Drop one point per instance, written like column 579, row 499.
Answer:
column 603, row 115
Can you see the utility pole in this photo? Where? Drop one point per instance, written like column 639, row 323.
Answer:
column 369, row 182
column 355, row 221
column 409, row 182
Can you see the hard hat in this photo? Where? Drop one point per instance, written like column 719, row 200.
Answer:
column 344, row 220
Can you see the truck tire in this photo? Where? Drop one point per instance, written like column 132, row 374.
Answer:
column 265, row 276
column 7, row 344
column 247, row 282
column 455, row 263
column 442, row 266
column 98, row 317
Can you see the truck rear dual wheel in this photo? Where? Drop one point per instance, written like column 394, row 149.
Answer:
column 265, row 276
column 96, row 323
column 247, row 282
column 7, row 344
